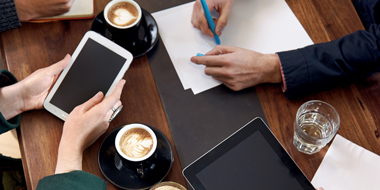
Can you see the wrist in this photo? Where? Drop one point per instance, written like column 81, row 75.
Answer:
column 11, row 103
column 274, row 69
column 69, row 158
column 23, row 11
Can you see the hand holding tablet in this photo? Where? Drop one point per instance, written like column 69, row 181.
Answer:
column 96, row 65
column 85, row 124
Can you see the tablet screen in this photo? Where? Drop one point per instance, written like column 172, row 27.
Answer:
column 251, row 158
column 253, row 164
column 94, row 70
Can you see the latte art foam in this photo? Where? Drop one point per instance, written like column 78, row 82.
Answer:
column 123, row 14
column 123, row 17
column 136, row 143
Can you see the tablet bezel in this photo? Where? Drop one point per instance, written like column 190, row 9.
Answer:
column 102, row 41
column 233, row 140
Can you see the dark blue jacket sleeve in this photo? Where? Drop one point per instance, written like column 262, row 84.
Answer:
column 322, row 66
column 326, row 65
column 368, row 11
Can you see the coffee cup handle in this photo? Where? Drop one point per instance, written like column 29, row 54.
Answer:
column 140, row 171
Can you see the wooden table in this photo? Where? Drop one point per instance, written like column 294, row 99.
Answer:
column 34, row 46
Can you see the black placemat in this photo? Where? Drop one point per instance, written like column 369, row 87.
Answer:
column 197, row 122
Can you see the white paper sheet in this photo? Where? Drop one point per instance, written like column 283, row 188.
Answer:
column 266, row 26
column 347, row 166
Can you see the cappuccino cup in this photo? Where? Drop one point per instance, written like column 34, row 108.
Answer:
column 136, row 142
column 136, row 145
column 122, row 16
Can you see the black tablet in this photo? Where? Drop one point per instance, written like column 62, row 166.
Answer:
column 251, row 158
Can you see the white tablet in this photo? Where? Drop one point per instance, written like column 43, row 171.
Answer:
column 97, row 64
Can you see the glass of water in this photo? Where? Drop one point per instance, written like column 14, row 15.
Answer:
column 316, row 124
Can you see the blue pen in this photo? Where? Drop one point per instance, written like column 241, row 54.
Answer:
column 200, row 55
column 210, row 21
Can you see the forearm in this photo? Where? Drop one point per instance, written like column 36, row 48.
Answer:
column 10, row 101
column 69, row 157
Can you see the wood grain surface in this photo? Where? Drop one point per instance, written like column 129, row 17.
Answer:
column 357, row 104
column 35, row 46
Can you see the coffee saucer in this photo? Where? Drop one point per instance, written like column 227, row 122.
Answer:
column 147, row 34
column 122, row 176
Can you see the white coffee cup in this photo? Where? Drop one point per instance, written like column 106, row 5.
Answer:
column 133, row 126
column 113, row 2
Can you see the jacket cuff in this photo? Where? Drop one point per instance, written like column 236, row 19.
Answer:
column 10, row 124
column 283, row 85
column 6, row 79
column 296, row 73
column 78, row 180
column 8, row 16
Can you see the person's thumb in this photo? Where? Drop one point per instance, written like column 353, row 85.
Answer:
column 224, row 12
column 220, row 24
column 60, row 65
column 92, row 102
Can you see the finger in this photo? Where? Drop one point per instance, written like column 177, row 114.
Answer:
column 110, row 112
column 214, row 71
column 92, row 102
column 197, row 10
column 204, row 27
column 111, row 100
column 320, row 188
column 227, row 82
column 209, row 61
column 224, row 79
column 65, row 7
column 223, row 18
column 59, row 66
column 210, row 5
column 232, row 87
column 70, row 3
column 220, row 49
column 203, row 24
column 220, row 24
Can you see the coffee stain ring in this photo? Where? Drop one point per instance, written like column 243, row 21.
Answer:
column 115, row 112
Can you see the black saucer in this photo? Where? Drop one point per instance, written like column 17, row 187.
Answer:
column 147, row 34
column 123, row 177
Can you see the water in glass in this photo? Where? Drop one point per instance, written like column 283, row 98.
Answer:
column 312, row 132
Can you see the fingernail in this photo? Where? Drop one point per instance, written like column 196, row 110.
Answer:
column 219, row 30
column 98, row 94
column 67, row 55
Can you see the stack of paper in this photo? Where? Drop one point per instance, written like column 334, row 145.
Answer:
column 80, row 9
column 266, row 26
column 347, row 166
